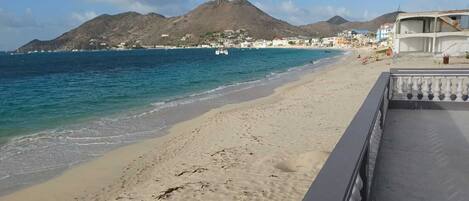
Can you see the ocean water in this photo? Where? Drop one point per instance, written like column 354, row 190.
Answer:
column 59, row 109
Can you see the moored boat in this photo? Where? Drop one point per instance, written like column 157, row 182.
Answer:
column 221, row 51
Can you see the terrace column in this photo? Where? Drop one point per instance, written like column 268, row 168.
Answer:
column 397, row 29
column 434, row 36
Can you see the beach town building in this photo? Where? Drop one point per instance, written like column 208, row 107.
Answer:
column 354, row 33
column 246, row 44
column 385, row 35
column 280, row 42
column 342, row 42
column 361, row 40
column 353, row 38
column 293, row 40
column 384, row 32
column 437, row 33
column 262, row 43
column 304, row 41
column 122, row 46
column 328, row 41
column 360, row 33
column 316, row 42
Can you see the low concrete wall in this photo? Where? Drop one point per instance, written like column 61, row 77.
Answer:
column 412, row 44
column 452, row 45
column 411, row 26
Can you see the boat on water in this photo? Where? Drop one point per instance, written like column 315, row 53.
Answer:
column 221, row 51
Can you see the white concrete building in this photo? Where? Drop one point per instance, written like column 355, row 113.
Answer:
column 316, row 42
column 293, row 40
column 246, row 44
column 328, row 42
column 280, row 42
column 262, row 43
column 384, row 32
column 440, row 33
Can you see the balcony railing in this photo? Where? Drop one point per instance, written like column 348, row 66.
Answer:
column 430, row 85
column 348, row 173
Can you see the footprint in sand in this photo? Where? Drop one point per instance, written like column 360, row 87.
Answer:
column 304, row 162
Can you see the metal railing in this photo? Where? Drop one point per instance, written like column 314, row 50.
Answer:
column 347, row 175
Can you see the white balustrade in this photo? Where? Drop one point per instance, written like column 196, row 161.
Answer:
column 430, row 88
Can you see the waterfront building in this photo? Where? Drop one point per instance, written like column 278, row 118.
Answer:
column 437, row 33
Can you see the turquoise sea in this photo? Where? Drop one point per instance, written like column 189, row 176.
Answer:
column 59, row 109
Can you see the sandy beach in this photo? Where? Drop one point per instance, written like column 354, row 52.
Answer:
column 266, row 149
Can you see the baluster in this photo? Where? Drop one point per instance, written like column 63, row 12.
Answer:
column 436, row 88
column 419, row 86
column 467, row 90
column 400, row 86
column 459, row 89
column 357, row 187
column 448, row 89
column 409, row 88
column 415, row 88
column 425, row 89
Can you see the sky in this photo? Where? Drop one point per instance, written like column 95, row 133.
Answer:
column 24, row 20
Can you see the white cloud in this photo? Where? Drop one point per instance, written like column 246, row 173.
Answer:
column 165, row 7
column 82, row 17
column 289, row 6
column 133, row 5
column 428, row 5
column 16, row 29
column 10, row 20
column 288, row 10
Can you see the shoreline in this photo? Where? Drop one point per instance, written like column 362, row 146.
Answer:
column 233, row 94
column 270, row 148
column 12, row 53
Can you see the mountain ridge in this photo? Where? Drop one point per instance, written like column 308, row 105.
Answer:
column 330, row 27
column 151, row 29
column 337, row 20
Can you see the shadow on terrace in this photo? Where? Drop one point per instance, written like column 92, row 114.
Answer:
column 408, row 141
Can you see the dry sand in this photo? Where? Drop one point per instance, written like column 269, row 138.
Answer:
column 267, row 149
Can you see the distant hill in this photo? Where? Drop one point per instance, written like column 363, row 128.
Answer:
column 374, row 24
column 334, row 25
column 109, row 29
column 337, row 20
column 137, row 30
column 150, row 29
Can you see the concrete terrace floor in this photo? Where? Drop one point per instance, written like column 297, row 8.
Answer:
column 424, row 156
